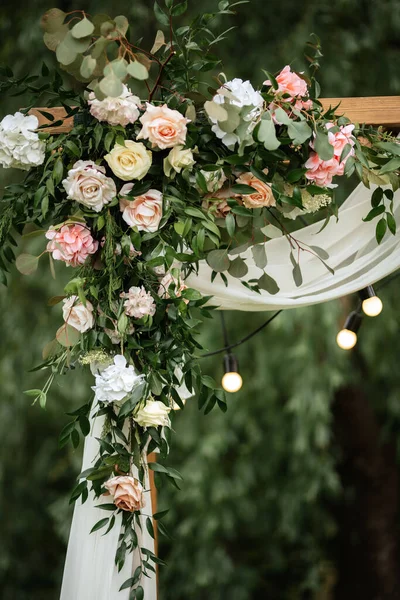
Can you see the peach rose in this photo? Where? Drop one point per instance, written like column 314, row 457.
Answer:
column 144, row 212
column 127, row 492
column 217, row 204
column 163, row 127
column 290, row 83
column 77, row 315
column 262, row 195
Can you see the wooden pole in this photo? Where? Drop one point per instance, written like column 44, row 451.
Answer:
column 375, row 110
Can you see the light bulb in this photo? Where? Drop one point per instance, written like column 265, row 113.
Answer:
column 346, row 339
column 372, row 306
column 232, row 382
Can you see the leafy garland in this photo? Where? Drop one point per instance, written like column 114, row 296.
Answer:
column 136, row 194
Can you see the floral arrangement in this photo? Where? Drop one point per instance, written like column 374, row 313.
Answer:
column 153, row 177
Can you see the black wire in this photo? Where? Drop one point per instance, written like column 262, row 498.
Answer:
column 228, row 347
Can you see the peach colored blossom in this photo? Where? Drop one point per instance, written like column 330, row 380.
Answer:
column 163, row 127
column 127, row 492
column 321, row 171
column 216, row 202
column 144, row 212
column 263, row 195
column 77, row 315
column 290, row 83
column 138, row 303
column 71, row 243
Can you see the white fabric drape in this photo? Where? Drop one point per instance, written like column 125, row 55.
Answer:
column 355, row 256
column 90, row 572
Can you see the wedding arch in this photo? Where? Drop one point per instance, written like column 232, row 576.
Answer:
column 166, row 210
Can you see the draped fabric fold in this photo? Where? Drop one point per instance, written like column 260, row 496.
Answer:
column 354, row 255
column 90, row 572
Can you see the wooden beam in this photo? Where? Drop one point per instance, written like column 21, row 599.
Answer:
column 375, row 110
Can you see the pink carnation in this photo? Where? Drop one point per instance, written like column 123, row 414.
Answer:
column 322, row 171
column 340, row 139
column 71, row 243
column 290, row 83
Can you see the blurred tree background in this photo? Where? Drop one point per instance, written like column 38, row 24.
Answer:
column 293, row 494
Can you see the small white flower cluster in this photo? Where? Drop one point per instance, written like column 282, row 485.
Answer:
column 20, row 146
column 234, row 112
column 116, row 381
column 311, row 203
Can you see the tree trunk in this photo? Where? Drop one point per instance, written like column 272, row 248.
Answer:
column 368, row 562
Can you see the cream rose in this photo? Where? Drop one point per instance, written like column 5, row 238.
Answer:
column 178, row 159
column 131, row 161
column 77, row 315
column 262, row 195
column 144, row 212
column 87, row 184
column 127, row 492
column 163, row 127
column 153, row 414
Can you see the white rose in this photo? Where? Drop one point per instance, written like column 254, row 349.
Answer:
column 116, row 111
column 178, row 159
column 87, row 184
column 153, row 414
column 115, row 382
column 77, row 315
column 20, row 146
column 131, row 161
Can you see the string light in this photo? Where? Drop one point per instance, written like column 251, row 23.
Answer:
column 231, row 381
column 347, row 337
column 371, row 304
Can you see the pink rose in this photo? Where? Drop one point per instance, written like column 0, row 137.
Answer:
column 163, row 127
column 127, row 492
column 290, row 83
column 71, row 243
column 262, row 196
column 322, row 171
column 144, row 212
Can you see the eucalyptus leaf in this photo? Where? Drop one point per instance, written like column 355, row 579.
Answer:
column 322, row 146
column 268, row 283
column 137, row 70
column 238, row 268
column 259, row 255
column 218, row 260
column 267, row 134
column 82, row 29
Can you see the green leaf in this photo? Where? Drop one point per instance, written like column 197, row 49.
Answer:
column 149, row 527
column 201, row 182
column 391, row 221
column 377, row 197
column 266, row 133
column 391, row 147
column 139, row 593
column 130, row 404
column 158, row 468
column 137, row 70
column 297, row 275
column 259, row 174
column 65, row 55
column 392, row 165
column 230, row 224
column 271, row 231
column 160, row 15
column 82, row 29
column 238, row 268
column 380, row 231
column 99, row 525
column 52, row 20
column 299, row 132
column 282, row 117
column 374, row 212
column 259, row 255
column 295, row 175
column 127, row 584
column 27, row 263
column 218, row 260
column 268, row 283
column 67, row 336
column 320, row 252
column 111, row 86
column 88, row 66
column 179, row 9
column 240, row 188
column 322, row 146
column 58, row 171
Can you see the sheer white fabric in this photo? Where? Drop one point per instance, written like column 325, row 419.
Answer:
column 355, row 256
column 90, row 572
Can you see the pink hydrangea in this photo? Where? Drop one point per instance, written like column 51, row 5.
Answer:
column 138, row 303
column 71, row 243
column 290, row 83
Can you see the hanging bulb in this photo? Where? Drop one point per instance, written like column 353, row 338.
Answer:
column 371, row 304
column 231, row 381
column 347, row 337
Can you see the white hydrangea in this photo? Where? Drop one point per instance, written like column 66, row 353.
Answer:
column 115, row 382
column 20, row 146
column 116, row 111
column 234, row 112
